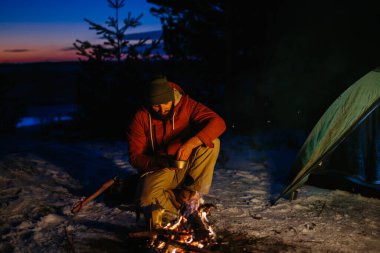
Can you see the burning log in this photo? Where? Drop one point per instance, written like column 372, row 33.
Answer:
column 167, row 236
column 188, row 234
column 187, row 247
column 156, row 232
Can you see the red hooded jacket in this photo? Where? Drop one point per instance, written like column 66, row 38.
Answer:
column 148, row 136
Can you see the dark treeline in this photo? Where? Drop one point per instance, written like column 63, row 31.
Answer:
column 282, row 62
column 273, row 64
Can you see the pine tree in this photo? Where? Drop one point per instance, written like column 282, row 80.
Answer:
column 115, row 47
column 109, row 82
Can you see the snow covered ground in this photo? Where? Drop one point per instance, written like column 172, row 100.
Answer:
column 40, row 181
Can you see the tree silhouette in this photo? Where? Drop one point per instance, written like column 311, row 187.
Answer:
column 225, row 35
column 115, row 47
column 227, row 38
column 111, row 78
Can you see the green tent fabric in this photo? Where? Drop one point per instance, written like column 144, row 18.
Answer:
column 339, row 120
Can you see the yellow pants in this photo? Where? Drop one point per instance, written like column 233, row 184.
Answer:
column 154, row 188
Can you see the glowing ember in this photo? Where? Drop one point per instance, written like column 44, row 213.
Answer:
column 187, row 234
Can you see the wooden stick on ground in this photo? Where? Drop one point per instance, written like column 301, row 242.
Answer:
column 78, row 206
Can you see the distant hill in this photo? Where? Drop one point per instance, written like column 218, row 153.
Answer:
column 154, row 35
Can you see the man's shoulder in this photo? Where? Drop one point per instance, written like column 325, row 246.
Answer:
column 141, row 114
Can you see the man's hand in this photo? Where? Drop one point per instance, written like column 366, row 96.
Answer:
column 185, row 150
column 164, row 162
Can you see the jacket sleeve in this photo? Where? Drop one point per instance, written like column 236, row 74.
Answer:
column 211, row 125
column 138, row 145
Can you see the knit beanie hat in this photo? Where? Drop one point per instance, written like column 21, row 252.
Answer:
column 159, row 91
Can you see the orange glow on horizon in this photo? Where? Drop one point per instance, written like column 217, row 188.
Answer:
column 41, row 54
column 38, row 56
column 36, row 42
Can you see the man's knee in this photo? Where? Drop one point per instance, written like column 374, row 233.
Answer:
column 209, row 152
column 154, row 185
column 214, row 149
column 216, row 143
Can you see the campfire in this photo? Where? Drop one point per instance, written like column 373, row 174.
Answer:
column 188, row 233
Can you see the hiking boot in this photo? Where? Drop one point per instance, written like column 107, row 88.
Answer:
column 153, row 216
column 169, row 218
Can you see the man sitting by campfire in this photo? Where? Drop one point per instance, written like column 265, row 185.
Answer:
column 173, row 142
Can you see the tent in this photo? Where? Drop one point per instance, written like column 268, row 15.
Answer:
column 353, row 121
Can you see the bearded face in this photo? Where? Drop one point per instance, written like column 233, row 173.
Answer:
column 162, row 111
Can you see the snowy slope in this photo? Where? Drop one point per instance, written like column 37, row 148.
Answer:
column 41, row 180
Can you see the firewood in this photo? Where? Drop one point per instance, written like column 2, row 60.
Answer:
column 164, row 236
column 142, row 234
column 187, row 247
column 156, row 232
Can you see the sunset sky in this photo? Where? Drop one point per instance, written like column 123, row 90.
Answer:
column 43, row 30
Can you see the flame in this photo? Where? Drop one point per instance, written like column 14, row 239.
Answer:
column 181, row 233
column 206, row 222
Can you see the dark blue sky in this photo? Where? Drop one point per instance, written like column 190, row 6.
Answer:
column 40, row 30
